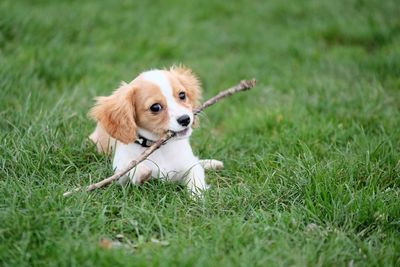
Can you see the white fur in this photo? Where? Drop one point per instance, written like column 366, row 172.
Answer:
column 173, row 161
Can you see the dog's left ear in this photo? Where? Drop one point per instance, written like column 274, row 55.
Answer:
column 190, row 81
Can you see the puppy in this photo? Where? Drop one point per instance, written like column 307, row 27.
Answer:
column 138, row 113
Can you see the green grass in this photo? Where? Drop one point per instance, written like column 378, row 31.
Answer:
column 311, row 155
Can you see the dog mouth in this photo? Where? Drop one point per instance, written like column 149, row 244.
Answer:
column 182, row 133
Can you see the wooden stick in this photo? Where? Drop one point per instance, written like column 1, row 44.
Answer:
column 242, row 86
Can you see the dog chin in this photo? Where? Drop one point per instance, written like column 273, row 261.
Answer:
column 184, row 133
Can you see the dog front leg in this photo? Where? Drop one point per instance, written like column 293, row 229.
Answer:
column 136, row 176
column 195, row 180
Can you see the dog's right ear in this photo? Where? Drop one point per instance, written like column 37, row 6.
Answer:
column 116, row 114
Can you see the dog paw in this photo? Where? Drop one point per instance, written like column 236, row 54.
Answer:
column 212, row 164
column 124, row 180
column 136, row 176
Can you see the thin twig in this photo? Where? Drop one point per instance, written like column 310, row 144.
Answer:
column 242, row 86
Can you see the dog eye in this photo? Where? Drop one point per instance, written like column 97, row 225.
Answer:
column 182, row 95
column 156, row 107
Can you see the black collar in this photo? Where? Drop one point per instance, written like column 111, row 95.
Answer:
column 143, row 141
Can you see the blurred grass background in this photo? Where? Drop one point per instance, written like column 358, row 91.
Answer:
column 312, row 155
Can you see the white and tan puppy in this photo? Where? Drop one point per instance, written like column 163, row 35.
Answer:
column 138, row 113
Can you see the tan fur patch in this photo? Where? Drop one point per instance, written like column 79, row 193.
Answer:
column 116, row 113
column 189, row 81
column 148, row 95
column 177, row 87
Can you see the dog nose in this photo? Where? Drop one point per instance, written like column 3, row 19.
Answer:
column 184, row 120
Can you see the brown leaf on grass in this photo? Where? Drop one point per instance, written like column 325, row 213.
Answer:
column 106, row 243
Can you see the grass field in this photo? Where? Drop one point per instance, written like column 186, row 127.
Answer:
column 311, row 155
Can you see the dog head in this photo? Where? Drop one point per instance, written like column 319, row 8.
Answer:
column 153, row 103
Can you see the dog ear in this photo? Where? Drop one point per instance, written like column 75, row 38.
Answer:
column 116, row 114
column 190, row 81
